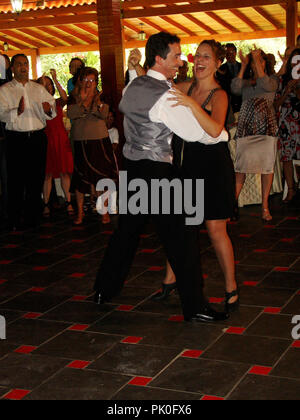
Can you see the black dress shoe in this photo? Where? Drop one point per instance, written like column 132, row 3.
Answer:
column 207, row 314
column 98, row 298
column 165, row 292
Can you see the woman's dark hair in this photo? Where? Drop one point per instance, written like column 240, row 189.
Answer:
column 249, row 72
column 86, row 71
column 40, row 81
column 158, row 45
column 218, row 49
column 220, row 52
column 288, row 72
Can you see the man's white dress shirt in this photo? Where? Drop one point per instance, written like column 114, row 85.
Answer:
column 179, row 119
column 33, row 118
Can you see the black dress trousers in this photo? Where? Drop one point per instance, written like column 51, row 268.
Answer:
column 181, row 243
column 26, row 163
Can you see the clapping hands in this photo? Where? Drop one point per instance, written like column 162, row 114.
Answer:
column 134, row 58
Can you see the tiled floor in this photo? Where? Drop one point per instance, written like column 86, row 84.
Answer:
column 59, row 345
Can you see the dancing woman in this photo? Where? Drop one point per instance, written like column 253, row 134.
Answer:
column 209, row 162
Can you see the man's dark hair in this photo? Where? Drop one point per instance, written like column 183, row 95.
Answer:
column 230, row 45
column 17, row 56
column 158, row 45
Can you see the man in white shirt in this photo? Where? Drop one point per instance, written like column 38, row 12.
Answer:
column 25, row 106
column 149, row 124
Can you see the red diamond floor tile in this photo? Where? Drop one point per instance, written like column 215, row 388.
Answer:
column 78, row 364
column 132, row 340
column 140, row 381
column 25, row 349
column 16, row 394
column 193, row 354
column 260, row 370
column 78, row 327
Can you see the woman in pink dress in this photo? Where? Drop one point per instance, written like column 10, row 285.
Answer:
column 59, row 153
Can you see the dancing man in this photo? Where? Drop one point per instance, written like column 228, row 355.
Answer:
column 150, row 121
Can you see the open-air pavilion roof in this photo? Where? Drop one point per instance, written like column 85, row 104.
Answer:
column 58, row 26
column 111, row 26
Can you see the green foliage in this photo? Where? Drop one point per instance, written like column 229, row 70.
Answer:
column 270, row 45
column 60, row 62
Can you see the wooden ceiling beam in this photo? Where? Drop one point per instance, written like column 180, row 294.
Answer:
column 88, row 29
column 73, row 33
column 213, row 5
column 236, row 36
column 268, row 17
column 75, row 48
column 193, row 7
column 60, row 40
column 52, row 21
column 200, row 24
column 131, row 27
column 28, row 42
column 38, row 35
column 178, row 25
column 221, row 21
column 245, row 19
column 284, row 6
column 55, row 11
column 152, row 24
column 11, row 43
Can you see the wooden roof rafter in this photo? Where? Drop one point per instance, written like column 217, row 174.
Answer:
column 64, row 24
column 240, row 15
column 198, row 23
column 27, row 42
column 147, row 8
column 268, row 17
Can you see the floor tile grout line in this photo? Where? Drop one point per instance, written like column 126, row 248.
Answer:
column 289, row 300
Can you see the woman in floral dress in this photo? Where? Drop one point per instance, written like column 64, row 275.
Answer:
column 287, row 103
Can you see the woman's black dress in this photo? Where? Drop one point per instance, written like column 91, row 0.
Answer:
column 212, row 163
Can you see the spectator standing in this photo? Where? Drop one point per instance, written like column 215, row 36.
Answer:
column 59, row 152
column 7, row 77
column 287, row 104
column 227, row 72
column 76, row 64
column 94, row 158
column 182, row 75
column 25, row 106
column 257, row 126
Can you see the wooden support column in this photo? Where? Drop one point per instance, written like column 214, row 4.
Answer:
column 291, row 22
column 111, row 51
column 36, row 64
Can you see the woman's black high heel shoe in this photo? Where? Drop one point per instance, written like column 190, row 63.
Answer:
column 231, row 307
column 165, row 292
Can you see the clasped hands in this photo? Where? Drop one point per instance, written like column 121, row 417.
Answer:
column 46, row 107
column 87, row 98
column 134, row 59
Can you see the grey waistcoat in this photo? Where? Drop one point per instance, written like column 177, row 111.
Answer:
column 144, row 138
